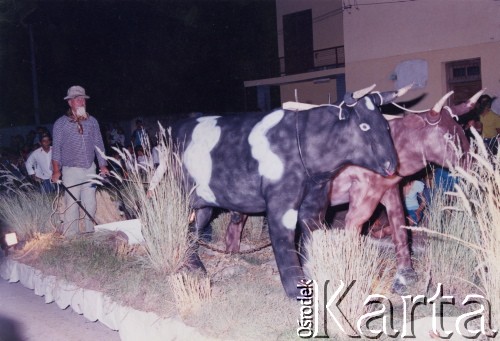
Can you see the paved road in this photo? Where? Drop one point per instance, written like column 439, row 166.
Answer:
column 25, row 316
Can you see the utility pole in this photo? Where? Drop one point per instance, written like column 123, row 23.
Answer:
column 34, row 77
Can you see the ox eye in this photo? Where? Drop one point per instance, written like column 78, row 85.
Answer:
column 448, row 136
column 364, row 126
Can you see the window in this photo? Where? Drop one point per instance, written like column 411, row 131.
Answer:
column 464, row 78
column 464, row 71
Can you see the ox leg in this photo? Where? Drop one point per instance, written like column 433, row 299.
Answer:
column 202, row 218
column 405, row 274
column 234, row 231
column 282, row 219
column 285, row 253
column 312, row 214
column 360, row 210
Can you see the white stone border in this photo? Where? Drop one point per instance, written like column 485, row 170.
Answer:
column 131, row 324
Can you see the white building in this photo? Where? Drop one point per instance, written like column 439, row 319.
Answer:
column 328, row 47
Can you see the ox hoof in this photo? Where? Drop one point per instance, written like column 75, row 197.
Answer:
column 404, row 278
column 194, row 263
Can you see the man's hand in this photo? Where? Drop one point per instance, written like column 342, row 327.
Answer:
column 56, row 175
column 103, row 171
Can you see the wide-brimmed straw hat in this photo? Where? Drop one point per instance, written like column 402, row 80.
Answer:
column 76, row 91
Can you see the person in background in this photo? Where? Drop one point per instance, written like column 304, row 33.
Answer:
column 40, row 132
column 490, row 123
column 39, row 167
column 413, row 192
column 443, row 179
column 155, row 155
column 120, row 138
column 117, row 136
column 139, row 135
column 142, row 158
column 76, row 139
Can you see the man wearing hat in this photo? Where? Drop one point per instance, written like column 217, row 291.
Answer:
column 76, row 137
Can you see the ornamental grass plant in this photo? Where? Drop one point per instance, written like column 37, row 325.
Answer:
column 164, row 212
column 24, row 210
column 341, row 257
column 478, row 197
column 219, row 226
column 464, row 230
column 191, row 291
column 448, row 260
column 164, row 215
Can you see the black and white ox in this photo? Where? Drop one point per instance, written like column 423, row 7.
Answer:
column 281, row 163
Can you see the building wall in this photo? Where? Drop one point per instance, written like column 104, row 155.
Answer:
column 376, row 30
column 378, row 37
column 310, row 92
column 363, row 73
column 327, row 21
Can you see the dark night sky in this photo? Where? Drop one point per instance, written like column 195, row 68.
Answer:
column 137, row 57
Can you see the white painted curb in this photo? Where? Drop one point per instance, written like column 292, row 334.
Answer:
column 132, row 325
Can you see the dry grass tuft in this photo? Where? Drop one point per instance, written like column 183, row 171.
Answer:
column 445, row 251
column 254, row 228
column 190, row 292
column 219, row 226
column 340, row 255
column 107, row 208
column 464, row 229
column 25, row 210
column 164, row 215
column 480, row 201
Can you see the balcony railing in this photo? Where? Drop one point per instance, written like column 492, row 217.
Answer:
column 329, row 58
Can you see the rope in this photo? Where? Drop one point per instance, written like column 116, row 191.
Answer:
column 408, row 110
column 297, row 134
column 210, row 247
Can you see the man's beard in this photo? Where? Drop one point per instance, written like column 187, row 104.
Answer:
column 81, row 112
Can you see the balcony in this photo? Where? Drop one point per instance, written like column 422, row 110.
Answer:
column 324, row 59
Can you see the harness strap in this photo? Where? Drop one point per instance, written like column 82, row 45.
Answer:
column 319, row 178
column 432, row 124
column 455, row 117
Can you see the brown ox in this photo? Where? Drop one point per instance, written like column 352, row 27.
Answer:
column 418, row 139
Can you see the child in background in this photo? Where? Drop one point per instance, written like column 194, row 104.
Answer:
column 413, row 192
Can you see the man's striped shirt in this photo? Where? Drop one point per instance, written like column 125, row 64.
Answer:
column 72, row 149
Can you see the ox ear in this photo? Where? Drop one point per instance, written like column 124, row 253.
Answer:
column 413, row 121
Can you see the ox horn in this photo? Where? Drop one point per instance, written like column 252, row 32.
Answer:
column 404, row 90
column 360, row 93
column 465, row 107
column 434, row 115
column 439, row 105
column 474, row 98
